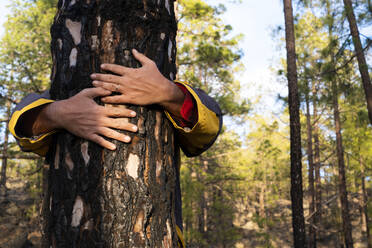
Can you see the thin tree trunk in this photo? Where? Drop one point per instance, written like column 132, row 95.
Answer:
column 364, row 205
column 346, row 223
column 124, row 198
column 4, row 161
column 312, row 230
column 298, row 222
column 202, row 201
column 318, row 186
column 363, row 67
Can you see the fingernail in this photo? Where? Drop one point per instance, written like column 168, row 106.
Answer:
column 113, row 147
column 134, row 50
column 94, row 82
column 103, row 66
column 93, row 76
column 127, row 139
column 133, row 113
column 135, row 128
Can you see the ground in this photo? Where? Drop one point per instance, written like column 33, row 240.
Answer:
column 19, row 222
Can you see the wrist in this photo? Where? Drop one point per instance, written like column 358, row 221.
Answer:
column 173, row 99
column 172, row 94
column 47, row 120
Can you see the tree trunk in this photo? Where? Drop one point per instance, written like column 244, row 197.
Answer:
column 346, row 224
column 298, row 222
column 312, row 230
column 363, row 67
column 364, row 205
column 202, row 204
column 4, row 161
column 125, row 198
column 318, row 187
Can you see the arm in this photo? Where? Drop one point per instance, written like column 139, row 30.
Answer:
column 37, row 117
column 146, row 85
column 207, row 123
column 142, row 86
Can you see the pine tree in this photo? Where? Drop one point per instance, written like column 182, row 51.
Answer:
column 98, row 197
column 298, row 222
column 363, row 67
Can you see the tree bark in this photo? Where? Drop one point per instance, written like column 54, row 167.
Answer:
column 364, row 205
column 202, row 209
column 363, row 67
column 318, row 186
column 4, row 161
column 312, row 230
column 100, row 198
column 346, row 223
column 298, row 222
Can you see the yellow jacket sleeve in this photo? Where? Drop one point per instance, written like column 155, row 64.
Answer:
column 38, row 144
column 195, row 140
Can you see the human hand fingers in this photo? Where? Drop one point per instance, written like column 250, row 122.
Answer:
column 106, row 78
column 119, row 123
column 118, row 99
column 117, row 69
column 108, row 86
column 101, row 141
column 112, row 134
column 94, row 92
column 141, row 57
column 112, row 111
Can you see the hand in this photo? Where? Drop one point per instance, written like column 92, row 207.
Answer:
column 140, row 86
column 83, row 117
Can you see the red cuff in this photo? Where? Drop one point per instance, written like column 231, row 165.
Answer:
column 189, row 111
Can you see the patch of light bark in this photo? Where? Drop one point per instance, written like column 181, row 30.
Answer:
column 75, row 30
column 84, row 152
column 132, row 165
column 77, row 212
column 167, row 6
column 56, row 158
column 73, row 57
column 60, row 44
column 170, row 46
column 68, row 161
column 98, row 21
column 95, row 42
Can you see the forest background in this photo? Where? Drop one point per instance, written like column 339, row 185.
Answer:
column 237, row 193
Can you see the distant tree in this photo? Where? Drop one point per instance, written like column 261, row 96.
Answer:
column 331, row 77
column 298, row 222
column 363, row 66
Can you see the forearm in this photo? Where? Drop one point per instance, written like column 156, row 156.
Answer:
column 173, row 103
column 38, row 121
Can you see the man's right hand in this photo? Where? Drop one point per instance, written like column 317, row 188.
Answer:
column 83, row 117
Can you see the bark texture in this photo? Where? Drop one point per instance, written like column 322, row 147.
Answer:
column 363, row 67
column 364, row 204
column 4, row 161
column 318, row 189
column 346, row 222
column 298, row 222
column 124, row 198
column 312, row 230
